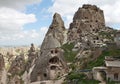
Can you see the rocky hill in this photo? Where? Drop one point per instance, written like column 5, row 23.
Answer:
column 87, row 21
column 91, row 39
column 62, row 55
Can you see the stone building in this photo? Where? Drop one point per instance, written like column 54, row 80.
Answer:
column 97, row 73
column 113, row 69
column 50, row 63
column 110, row 72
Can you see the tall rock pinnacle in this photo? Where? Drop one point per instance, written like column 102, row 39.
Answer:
column 57, row 22
column 50, row 63
column 54, row 37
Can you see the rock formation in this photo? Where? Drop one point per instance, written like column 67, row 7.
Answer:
column 31, row 57
column 18, row 65
column 16, row 70
column 86, row 39
column 50, row 63
column 3, row 73
column 2, row 64
column 57, row 28
column 87, row 22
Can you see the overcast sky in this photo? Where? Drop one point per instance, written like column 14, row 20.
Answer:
column 26, row 21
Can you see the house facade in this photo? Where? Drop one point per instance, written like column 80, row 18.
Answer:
column 111, row 71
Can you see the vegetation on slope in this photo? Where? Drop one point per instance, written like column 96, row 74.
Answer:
column 100, row 60
column 78, row 78
column 108, row 35
column 68, row 53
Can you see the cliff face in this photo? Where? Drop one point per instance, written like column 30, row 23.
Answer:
column 89, row 34
column 50, row 63
column 87, row 21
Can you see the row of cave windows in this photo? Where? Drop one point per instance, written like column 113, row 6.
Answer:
column 52, row 68
column 91, row 20
column 86, row 21
column 54, row 51
column 54, row 60
column 94, row 30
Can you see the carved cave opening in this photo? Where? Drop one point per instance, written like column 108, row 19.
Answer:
column 54, row 60
column 45, row 75
column 54, row 51
column 53, row 67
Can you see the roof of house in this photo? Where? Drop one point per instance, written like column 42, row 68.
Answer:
column 115, row 63
column 99, row 68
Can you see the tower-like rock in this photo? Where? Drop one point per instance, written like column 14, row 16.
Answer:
column 16, row 70
column 50, row 63
column 87, row 22
column 2, row 63
column 31, row 57
column 55, row 33
column 3, row 72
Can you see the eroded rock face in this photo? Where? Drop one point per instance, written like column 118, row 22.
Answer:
column 87, row 22
column 2, row 70
column 15, row 80
column 31, row 57
column 85, row 32
column 2, row 63
column 17, row 66
column 16, row 70
column 55, row 33
column 51, row 63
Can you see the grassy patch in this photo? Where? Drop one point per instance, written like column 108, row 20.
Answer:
column 100, row 60
column 88, row 82
column 68, row 53
column 79, row 78
column 108, row 35
column 74, row 75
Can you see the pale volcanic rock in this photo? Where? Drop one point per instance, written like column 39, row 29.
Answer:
column 87, row 22
column 50, row 63
column 17, row 66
